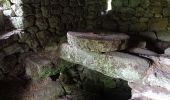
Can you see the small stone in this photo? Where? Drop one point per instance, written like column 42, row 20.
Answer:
column 117, row 3
column 144, row 20
column 45, row 12
column 113, row 64
column 157, row 24
column 42, row 23
column 53, row 21
column 18, row 10
column 134, row 3
column 17, row 1
column 8, row 13
column 6, row 5
column 29, row 21
column 17, row 22
column 166, row 12
column 33, row 30
column 167, row 51
column 45, row 89
column 164, row 36
column 15, row 48
column 150, row 35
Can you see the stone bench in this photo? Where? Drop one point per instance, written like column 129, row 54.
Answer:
column 151, row 71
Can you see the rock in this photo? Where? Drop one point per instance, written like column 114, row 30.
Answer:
column 134, row 3
column 145, row 92
column 98, row 42
column 167, row 51
column 17, row 1
column 18, row 10
column 117, row 3
column 45, row 12
column 166, row 12
column 39, row 67
column 157, row 77
column 42, row 23
column 17, row 22
column 28, row 21
column 149, row 35
column 33, row 29
column 157, row 24
column 6, row 4
column 8, row 13
column 142, row 51
column 15, row 48
column 54, row 21
column 114, row 64
column 43, row 90
column 164, row 36
column 2, row 55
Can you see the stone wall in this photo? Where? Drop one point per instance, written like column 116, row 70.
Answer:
column 56, row 17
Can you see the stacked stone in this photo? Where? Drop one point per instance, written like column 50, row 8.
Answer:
column 148, row 80
column 38, row 69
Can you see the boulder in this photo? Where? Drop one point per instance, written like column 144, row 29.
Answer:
column 45, row 89
column 114, row 64
column 98, row 42
column 39, row 66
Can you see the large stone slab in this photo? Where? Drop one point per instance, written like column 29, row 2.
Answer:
column 98, row 42
column 114, row 64
column 146, row 92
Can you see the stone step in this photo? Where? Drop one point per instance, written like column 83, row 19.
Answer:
column 45, row 89
column 39, row 66
column 114, row 64
column 98, row 42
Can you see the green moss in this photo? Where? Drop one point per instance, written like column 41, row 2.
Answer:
column 64, row 65
column 46, row 72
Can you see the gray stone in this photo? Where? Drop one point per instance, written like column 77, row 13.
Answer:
column 150, row 35
column 166, row 12
column 54, row 21
column 43, row 90
column 167, row 51
column 29, row 21
column 33, row 29
column 15, row 48
column 17, row 22
column 114, row 64
column 117, row 3
column 157, row 78
column 2, row 55
column 99, row 42
column 157, row 24
column 18, row 10
column 17, row 1
column 9, row 12
column 39, row 66
column 134, row 3
column 45, row 11
column 6, row 4
column 146, row 92
column 164, row 36
column 42, row 23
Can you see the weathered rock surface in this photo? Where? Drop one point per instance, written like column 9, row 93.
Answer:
column 43, row 90
column 146, row 92
column 98, row 42
column 167, row 51
column 39, row 66
column 114, row 64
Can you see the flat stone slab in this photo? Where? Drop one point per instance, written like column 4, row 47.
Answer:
column 114, row 64
column 98, row 42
